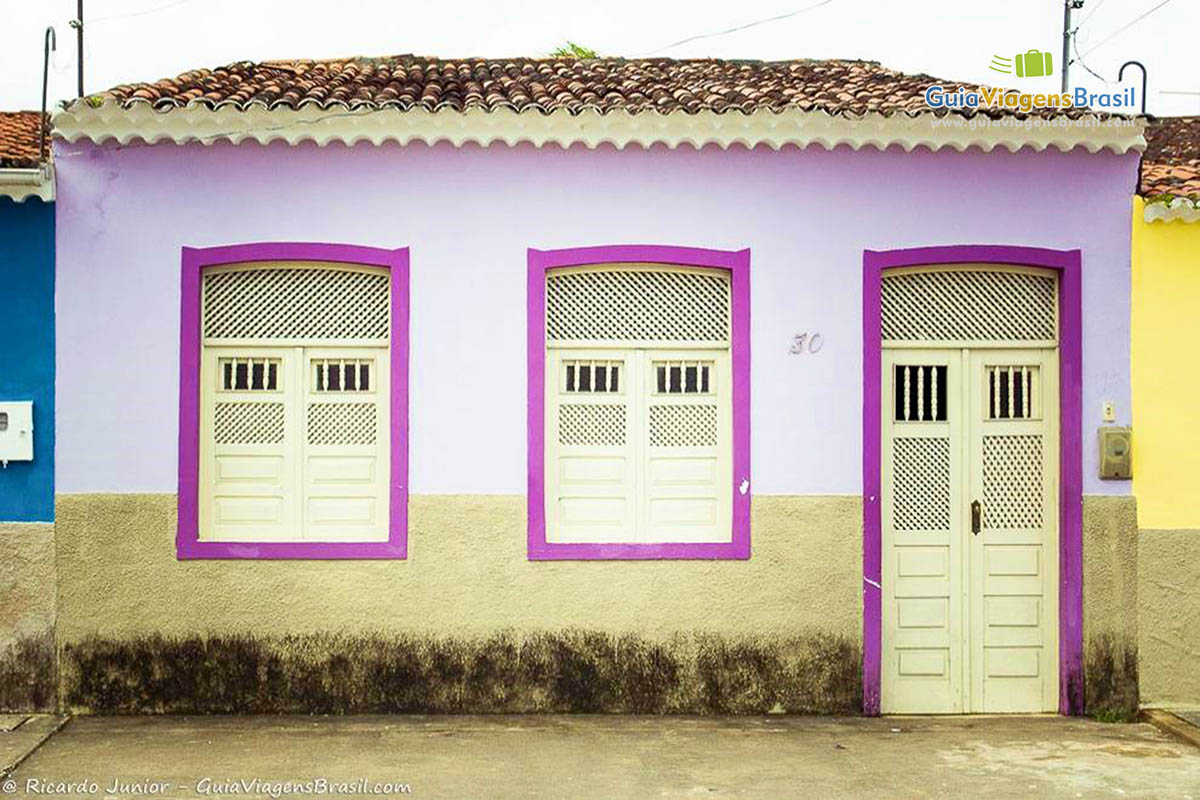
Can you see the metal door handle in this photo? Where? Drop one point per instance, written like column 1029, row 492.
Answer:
column 976, row 517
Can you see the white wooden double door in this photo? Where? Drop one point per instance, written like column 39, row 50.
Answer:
column 970, row 530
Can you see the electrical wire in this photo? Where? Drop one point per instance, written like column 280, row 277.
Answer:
column 1088, row 15
column 1079, row 60
column 141, row 13
column 737, row 28
column 1124, row 28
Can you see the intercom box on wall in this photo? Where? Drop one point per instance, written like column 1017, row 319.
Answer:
column 16, row 431
column 1116, row 446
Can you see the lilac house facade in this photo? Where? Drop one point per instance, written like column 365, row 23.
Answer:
column 589, row 385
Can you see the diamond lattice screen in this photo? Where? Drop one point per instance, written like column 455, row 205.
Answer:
column 1012, row 482
column 683, row 426
column 296, row 303
column 341, row 423
column 637, row 305
column 248, row 423
column 969, row 306
column 591, row 425
column 921, row 484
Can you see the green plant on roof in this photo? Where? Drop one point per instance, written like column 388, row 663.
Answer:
column 572, row 50
column 94, row 100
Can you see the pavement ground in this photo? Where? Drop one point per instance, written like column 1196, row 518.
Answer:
column 605, row 757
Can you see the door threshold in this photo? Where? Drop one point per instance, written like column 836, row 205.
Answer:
column 971, row 715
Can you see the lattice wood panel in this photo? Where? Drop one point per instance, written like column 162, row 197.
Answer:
column 1012, row 482
column 248, row 423
column 652, row 305
column 296, row 303
column 591, row 425
column 683, row 426
column 342, row 423
column 921, row 484
column 969, row 305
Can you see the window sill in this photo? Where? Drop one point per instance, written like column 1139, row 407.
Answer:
column 315, row 551
column 723, row 551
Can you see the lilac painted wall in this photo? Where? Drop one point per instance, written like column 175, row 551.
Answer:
column 468, row 216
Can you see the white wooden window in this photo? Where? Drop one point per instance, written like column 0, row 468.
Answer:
column 639, row 408
column 294, row 427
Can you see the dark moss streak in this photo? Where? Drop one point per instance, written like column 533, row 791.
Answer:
column 568, row 671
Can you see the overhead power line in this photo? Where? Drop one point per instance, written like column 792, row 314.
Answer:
column 141, row 13
column 1123, row 28
column 737, row 28
column 1089, row 15
column 1079, row 59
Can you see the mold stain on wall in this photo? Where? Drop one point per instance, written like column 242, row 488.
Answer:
column 1111, row 678
column 28, row 677
column 560, row 671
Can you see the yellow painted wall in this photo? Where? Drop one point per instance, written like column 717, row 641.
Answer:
column 1166, row 382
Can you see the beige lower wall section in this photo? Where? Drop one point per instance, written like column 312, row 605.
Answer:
column 465, row 624
column 717, row 635
column 1110, row 602
column 27, row 612
column 1169, row 616
column 466, row 573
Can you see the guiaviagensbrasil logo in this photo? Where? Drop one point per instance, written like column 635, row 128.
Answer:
column 1030, row 64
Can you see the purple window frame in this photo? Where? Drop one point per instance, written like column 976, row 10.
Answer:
column 737, row 264
column 1068, row 264
column 187, row 540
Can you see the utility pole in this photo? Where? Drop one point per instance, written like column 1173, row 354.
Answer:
column 1068, row 7
column 77, row 24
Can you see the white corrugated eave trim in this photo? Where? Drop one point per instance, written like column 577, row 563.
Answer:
column 110, row 122
column 1178, row 209
column 22, row 183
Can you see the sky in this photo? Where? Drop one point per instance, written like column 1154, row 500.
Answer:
column 144, row 40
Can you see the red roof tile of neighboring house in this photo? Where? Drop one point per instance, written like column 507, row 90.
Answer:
column 549, row 84
column 19, row 134
column 1171, row 163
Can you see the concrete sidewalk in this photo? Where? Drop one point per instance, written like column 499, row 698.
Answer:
column 618, row 757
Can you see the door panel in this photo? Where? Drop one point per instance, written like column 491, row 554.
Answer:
column 590, row 447
column 345, row 456
column 969, row 616
column 687, row 446
column 1013, row 559
column 922, row 626
column 247, row 435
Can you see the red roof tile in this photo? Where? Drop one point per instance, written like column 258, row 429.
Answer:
column 19, row 134
column 1171, row 163
column 549, row 84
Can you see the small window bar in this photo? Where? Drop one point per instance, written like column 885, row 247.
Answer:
column 920, row 393
column 1013, row 392
column 683, row 377
column 341, row 375
column 249, row 374
column 592, row 377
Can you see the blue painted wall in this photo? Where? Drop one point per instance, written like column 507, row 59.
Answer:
column 27, row 351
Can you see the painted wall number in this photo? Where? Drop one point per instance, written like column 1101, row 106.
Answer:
column 806, row 343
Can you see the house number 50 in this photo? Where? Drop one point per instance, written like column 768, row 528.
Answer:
column 806, row 343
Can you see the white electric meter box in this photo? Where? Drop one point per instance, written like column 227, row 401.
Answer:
column 16, row 431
